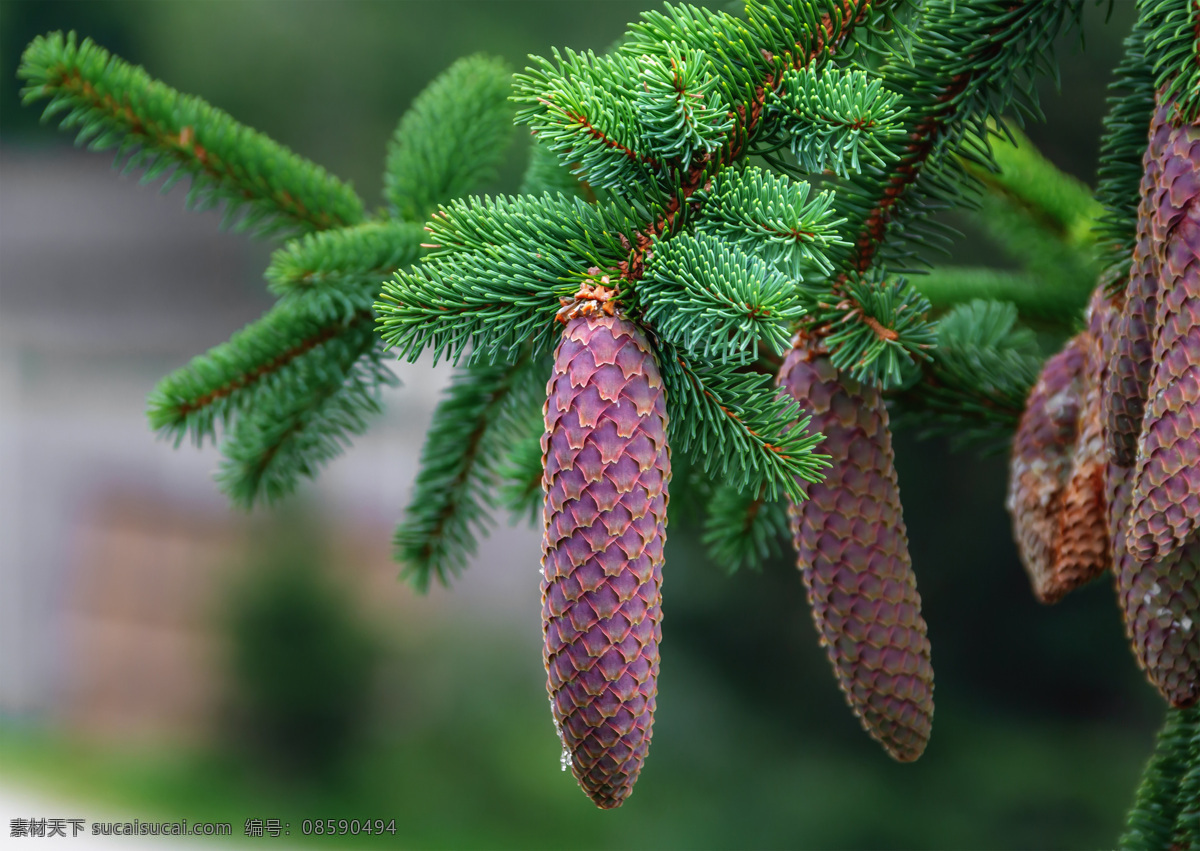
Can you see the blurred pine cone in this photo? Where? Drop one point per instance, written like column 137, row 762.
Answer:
column 607, row 466
column 1056, row 490
column 853, row 555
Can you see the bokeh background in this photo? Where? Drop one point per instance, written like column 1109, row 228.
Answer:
column 162, row 656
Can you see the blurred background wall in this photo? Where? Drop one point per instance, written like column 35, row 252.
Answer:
column 141, row 618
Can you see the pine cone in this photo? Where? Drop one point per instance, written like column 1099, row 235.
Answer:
column 1132, row 361
column 1160, row 602
column 1166, row 493
column 1043, row 446
column 607, row 466
column 853, row 556
column 1056, row 486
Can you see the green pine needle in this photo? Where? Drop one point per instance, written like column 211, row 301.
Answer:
column 975, row 387
column 1152, row 821
column 836, row 119
column 715, row 301
column 774, row 217
column 454, row 488
column 337, row 274
column 293, row 431
column 288, row 351
column 265, row 187
column 743, row 528
column 736, row 425
column 452, row 139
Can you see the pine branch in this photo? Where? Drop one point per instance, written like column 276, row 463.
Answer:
column 454, row 487
column 736, row 425
column 715, row 301
column 584, row 96
column 1152, row 819
column 287, row 351
column 296, row 429
column 495, row 275
column 873, row 329
column 681, row 114
column 1130, row 106
column 265, row 187
column 974, row 388
column 773, row 217
column 743, row 528
column 1172, row 38
column 336, row 275
column 452, row 139
column 982, row 62
column 836, row 117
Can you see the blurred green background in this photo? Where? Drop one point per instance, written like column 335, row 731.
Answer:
column 328, row 708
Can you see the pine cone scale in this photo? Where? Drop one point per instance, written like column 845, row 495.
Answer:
column 607, row 466
column 1166, row 497
column 853, row 556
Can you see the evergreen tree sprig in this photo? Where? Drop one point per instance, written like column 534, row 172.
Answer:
column 265, row 187
column 1172, row 39
column 1126, row 125
column 334, row 275
column 835, row 118
column 294, row 430
column 743, row 528
column 872, row 328
column 713, row 300
column 681, row 114
column 981, row 63
column 454, row 487
column 288, row 351
column 1158, row 805
column 772, row 216
column 452, row 139
column 496, row 273
column 975, row 386
column 734, row 423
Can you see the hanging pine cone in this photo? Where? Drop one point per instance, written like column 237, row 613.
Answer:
column 853, row 555
column 1166, row 493
column 1131, row 362
column 1056, row 491
column 607, row 466
column 1160, row 602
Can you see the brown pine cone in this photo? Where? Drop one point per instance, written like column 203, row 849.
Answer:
column 607, row 466
column 1057, row 473
column 852, row 552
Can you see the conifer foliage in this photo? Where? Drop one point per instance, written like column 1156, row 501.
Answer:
column 712, row 253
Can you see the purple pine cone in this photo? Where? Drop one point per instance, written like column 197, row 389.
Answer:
column 607, row 466
column 1132, row 358
column 853, row 555
column 1166, row 493
column 1160, row 602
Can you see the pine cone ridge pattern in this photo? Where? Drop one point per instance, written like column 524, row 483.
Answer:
column 607, row 467
column 1166, row 494
column 1131, row 362
column 852, row 553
